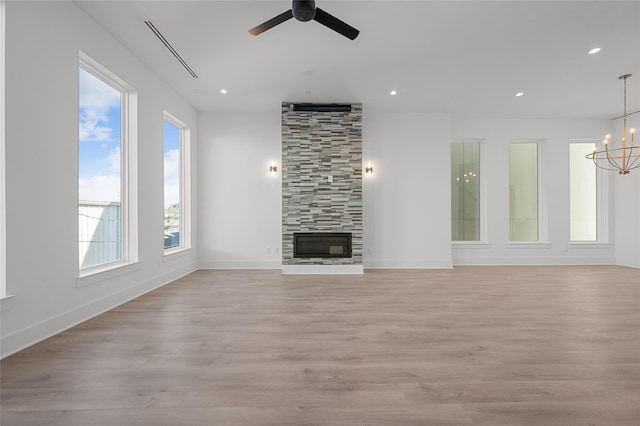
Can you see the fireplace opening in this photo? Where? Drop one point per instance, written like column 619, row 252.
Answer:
column 321, row 244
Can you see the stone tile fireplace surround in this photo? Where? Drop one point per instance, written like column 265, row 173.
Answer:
column 321, row 184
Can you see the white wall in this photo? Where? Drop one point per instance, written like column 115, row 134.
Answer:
column 627, row 203
column 406, row 203
column 43, row 40
column 404, row 206
column 407, row 200
column 240, row 202
column 2, row 162
column 554, row 136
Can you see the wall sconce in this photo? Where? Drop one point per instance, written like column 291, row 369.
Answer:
column 273, row 168
column 368, row 169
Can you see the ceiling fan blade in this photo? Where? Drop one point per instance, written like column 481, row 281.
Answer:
column 285, row 16
column 335, row 24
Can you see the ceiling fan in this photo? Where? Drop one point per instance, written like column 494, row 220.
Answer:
column 306, row 10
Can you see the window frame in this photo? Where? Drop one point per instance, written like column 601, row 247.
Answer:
column 128, row 170
column 184, row 135
column 482, row 221
column 602, row 201
column 542, row 234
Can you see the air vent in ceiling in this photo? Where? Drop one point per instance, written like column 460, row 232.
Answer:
column 171, row 49
column 322, row 107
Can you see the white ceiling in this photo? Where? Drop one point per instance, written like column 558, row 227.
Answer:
column 466, row 58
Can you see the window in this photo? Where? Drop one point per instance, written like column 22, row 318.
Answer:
column 465, row 191
column 583, row 193
column 523, row 192
column 106, row 203
column 176, row 184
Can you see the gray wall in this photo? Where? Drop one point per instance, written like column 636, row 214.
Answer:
column 318, row 147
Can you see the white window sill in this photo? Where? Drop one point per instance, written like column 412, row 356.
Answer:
column 176, row 253
column 6, row 302
column 589, row 245
column 95, row 275
column 529, row 245
column 470, row 245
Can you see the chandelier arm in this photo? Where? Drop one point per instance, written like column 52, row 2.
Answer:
column 602, row 167
column 607, row 168
column 614, row 167
column 635, row 163
column 612, row 160
column 599, row 161
column 593, row 158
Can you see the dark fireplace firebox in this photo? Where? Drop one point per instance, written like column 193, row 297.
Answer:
column 321, row 244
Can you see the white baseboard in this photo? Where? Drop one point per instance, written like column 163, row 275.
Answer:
column 530, row 260
column 240, row 264
column 323, row 269
column 33, row 334
column 629, row 265
column 408, row 264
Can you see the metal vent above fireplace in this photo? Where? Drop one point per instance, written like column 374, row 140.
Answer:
column 321, row 244
column 322, row 107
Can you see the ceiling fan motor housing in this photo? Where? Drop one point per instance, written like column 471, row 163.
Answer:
column 304, row 10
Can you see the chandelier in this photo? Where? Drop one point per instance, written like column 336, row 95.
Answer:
column 625, row 158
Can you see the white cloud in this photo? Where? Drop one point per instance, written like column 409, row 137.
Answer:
column 171, row 177
column 114, row 160
column 96, row 94
column 171, row 195
column 172, row 164
column 91, row 128
column 96, row 99
column 100, row 188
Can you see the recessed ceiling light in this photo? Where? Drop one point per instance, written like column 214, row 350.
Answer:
column 223, row 91
column 393, row 93
column 519, row 94
column 594, row 50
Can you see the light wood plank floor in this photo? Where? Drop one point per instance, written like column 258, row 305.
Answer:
column 470, row 346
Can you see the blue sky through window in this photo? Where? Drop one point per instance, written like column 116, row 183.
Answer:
column 171, row 164
column 100, row 136
column 172, row 175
